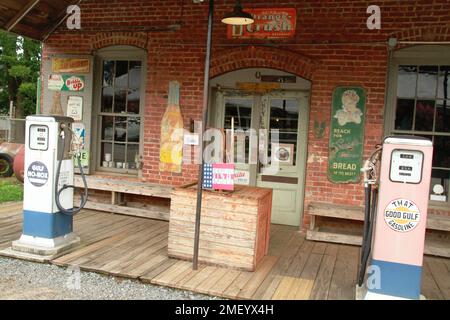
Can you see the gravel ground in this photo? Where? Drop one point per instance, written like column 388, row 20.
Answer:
column 28, row 280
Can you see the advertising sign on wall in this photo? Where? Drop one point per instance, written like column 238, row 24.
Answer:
column 70, row 65
column 58, row 82
column 346, row 135
column 270, row 23
column 75, row 107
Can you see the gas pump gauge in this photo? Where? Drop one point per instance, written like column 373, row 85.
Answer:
column 406, row 166
column 38, row 137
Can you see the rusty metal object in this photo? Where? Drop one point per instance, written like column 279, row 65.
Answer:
column 9, row 152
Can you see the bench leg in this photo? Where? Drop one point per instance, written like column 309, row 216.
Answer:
column 117, row 198
column 312, row 223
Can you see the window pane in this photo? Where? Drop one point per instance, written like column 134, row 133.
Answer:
column 427, row 84
column 407, row 81
column 106, row 148
column 134, row 87
column 119, row 153
column 424, row 115
column 241, row 111
column 443, row 116
column 444, row 82
column 441, row 154
column 120, row 129
column 440, row 177
column 134, row 127
column 107, row 128
column 284, row 117
column 132, row 155
column 404, row 114
column 107, row 86
column 120, row 86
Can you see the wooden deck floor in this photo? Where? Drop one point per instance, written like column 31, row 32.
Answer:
column 294, row 269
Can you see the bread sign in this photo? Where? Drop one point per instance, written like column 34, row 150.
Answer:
column 402, row 215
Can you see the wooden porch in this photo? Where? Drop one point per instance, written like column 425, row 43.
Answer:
column 295, row 268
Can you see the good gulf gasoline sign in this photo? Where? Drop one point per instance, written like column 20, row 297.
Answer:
column 402, row 215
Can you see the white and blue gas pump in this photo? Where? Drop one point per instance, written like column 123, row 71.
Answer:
column 48, row 188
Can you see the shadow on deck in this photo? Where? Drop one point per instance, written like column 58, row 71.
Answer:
column 295, row 268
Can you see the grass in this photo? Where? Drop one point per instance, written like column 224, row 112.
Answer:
column 10, row 190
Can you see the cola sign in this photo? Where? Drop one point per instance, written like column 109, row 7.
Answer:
column 270, row 23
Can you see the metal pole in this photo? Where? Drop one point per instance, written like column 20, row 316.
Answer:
column 198, row 210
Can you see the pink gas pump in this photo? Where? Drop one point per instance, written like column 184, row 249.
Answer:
column 398, row 216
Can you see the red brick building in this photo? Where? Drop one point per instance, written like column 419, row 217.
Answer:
column 156, row 42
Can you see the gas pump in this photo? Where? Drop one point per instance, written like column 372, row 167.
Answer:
column 396, row 215
column 48, row 188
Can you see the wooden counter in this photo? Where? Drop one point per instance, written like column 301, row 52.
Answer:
column 234, row 229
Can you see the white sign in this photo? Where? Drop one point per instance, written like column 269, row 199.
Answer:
column 55, row 82
column 242, row 177
column 191, row 139
column 402, row 215
column 75, row 107
column 79, row 140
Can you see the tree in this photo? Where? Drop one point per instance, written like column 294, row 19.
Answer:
column 20, row 60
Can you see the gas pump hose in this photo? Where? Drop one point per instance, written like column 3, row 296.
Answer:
column 84, row 195
column 368, row 231
column 370, row 198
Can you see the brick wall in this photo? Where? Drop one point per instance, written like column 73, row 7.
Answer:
column 177, row 53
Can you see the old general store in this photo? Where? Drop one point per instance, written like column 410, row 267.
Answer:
column 331, row 83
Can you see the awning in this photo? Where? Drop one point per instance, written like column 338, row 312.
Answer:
column 35, row 19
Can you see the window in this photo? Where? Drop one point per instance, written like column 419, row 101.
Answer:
column 284, row 118
column 422, row 108
column 240, row 111
column 120, row 121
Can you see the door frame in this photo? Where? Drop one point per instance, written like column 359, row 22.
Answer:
column 216, row 119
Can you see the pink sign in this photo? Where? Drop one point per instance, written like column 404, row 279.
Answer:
column 223, row 176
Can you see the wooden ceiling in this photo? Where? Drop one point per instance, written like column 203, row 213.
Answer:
column 35, row 19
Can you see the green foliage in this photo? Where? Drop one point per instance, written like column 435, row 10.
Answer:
column 20, row 60
column 27, row 92
column 10, row 190
column 19, row 72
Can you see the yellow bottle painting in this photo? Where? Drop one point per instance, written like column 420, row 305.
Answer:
column 171, row 150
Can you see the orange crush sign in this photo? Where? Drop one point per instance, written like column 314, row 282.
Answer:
column 270, row 23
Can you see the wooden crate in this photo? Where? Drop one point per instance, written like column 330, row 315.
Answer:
column 234, row 229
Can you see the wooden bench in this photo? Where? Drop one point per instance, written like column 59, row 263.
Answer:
column 433, row 246
column 120, row 187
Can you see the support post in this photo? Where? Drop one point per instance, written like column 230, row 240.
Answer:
column 204, row 120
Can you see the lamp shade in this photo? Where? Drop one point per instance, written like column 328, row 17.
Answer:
column 238, row 17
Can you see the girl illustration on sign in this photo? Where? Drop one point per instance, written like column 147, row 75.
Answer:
column 349, row 112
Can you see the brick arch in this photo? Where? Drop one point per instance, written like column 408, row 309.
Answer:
column 228, row 60
column 439, row 32
column 106, row 39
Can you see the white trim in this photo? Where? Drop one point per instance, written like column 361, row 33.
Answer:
column 408, row 141
column 46, row 243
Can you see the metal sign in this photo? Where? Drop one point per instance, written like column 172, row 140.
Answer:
column 270, row 23
column 57, row 82
column 346, row 135
column 70, row 65
column 75, row 107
